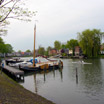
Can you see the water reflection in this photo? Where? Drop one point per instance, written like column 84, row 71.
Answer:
column 91, row 78
column 74, row 84
column 76, row 76
column 37, row 80
column 36, row 89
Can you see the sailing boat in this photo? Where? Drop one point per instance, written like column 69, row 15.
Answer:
column 41, row 65
column 35, row 66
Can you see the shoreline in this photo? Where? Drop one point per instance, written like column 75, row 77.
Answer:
column 13, row 93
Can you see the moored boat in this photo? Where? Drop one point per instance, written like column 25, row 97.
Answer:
column 13, row 60
column 40, row 63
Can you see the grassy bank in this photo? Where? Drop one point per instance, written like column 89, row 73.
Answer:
column 13, row 93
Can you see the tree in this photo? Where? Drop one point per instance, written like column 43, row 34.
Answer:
column 8, row 48
column 12, row 9
column 63, row 46
column 28, row 50
column 47, row 50
column 5, row 48
column 71, row 44
column 57, row 45
column 41, row 50
column 2, row 46
column 90, row 41
column 1, row 41
column 19, row 51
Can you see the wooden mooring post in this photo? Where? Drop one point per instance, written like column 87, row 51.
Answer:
column 76, row 76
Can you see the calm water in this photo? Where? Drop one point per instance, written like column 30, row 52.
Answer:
column 62, row 86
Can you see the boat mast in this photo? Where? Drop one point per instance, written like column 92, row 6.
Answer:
column 34, row 45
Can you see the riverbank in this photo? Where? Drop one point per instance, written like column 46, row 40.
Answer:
column 13, row 93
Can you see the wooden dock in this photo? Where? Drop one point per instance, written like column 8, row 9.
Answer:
column 13, row 72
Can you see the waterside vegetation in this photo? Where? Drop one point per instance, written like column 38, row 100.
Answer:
column 89, row 43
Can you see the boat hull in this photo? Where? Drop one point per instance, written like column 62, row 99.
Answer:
column 29, row 68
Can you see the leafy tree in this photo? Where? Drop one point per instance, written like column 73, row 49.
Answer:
column 28, row 50
column 63, row 46
column 12, row 9
column 5, row 48
column 2, row 45
column 90, row 41
column 71, row 44
column 41, row 50
column 47, row 50
column 2, row 48
column 1, row 41
column 57, row 45
column 19, row 51
column 8, row 48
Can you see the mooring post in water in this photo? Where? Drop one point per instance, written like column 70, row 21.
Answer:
column 44, row 75
column 53, row 71
column 76, row 76
column 76, row 73
column 61, row 73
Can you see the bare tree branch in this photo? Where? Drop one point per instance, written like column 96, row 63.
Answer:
column 5, row 4
column 1, row 1
column 9, row 12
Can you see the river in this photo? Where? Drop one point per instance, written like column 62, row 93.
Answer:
column 64, row 87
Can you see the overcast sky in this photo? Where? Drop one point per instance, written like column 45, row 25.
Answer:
column 57, row 20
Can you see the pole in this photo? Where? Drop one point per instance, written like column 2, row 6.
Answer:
column 34, row 45
column 36, row 89
column 76, row 76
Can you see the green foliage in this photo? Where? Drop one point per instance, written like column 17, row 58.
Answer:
column 1, row 41
column 9, row 48
column 71, row 44
column 63, row 46
column 57, row 45
column 41, row 50
column 48, row 48
column 64, row 54
column 2, row 48
column 46, row 53
column 19, row 51
column 5, row 48
column 90, row 41
column 28, row 50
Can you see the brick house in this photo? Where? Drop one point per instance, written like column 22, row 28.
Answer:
column 52, row 52
column 78, row 51
column 102, row 49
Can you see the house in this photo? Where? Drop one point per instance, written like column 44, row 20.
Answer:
column 102, row 49
column 70, row 52
column 78, row 51
column 53, row 52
